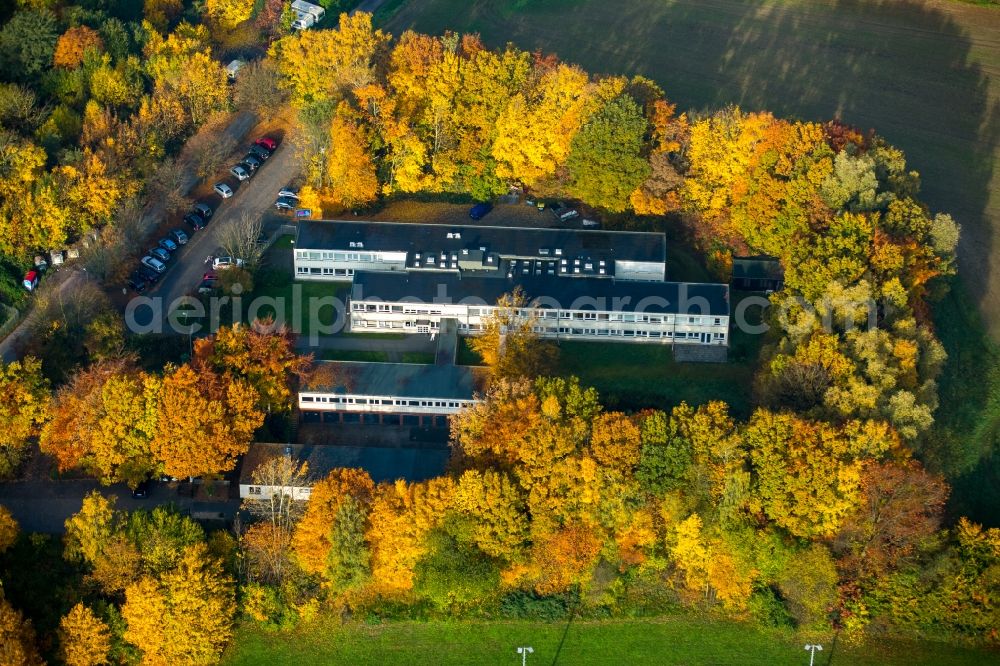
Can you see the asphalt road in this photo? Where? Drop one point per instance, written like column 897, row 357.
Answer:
column 44, row 505
column 187, row 266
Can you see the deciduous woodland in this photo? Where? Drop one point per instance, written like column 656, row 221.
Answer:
column 824, row 510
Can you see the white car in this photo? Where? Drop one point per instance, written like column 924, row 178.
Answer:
column 240, row 172
column 155, row 264
column 221, row 263
column 223, row 190
column 288, row 192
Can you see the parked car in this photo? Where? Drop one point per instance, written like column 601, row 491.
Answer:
column 567, row 214
column 195, row 221
column 136, row 282
column 148, row 274
column 222, row 263
column 260, row 152
column 168, row 244
column 266, row 142
column 223, row 190
column 480, row 210
column 160, row 254
column 142, row 490
column 155, row 264
column 240, row 172
column 285, row 203
column 209, row 281
column 203, row 209
column 179, row 236
column 30, row 280
column 289, row 192
column 253, row 161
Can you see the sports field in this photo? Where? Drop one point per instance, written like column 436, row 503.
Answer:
column 925, row 74
column 689, row 640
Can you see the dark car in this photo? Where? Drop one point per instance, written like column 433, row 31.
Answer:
column 167, row 244
column 260, row 152
column 136, row 282
column 285, row 203
column 179, row 236
column 148, row 274
column 159, row 253
column 266, row 142
column 203, row 209
column 142, row 490
column 480, row 210
column 195, row 221
column 252, row 162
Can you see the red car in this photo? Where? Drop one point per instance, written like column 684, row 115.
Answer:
column 267, row 142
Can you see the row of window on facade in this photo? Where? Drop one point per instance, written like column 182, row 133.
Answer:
column 259, row 490
column 546, row 330
column 626, row 317
column 393, row 402
column 315, row 255
column 336, row 272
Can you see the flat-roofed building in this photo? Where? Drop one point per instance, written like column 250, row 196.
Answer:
column 336, row 250
column 759, row 273
column 390, row 390
column 650, row 312
column 381, row 463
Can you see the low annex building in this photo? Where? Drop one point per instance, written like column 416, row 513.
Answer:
column 661, row 312
column 382, row 464
column 390, row 391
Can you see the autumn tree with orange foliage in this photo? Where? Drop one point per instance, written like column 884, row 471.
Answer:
column 73, row 44
column 103, row 421
column 261, row 354
column 205, row 422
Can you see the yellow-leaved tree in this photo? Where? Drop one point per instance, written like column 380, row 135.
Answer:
column 185, row 616
column 84, row 638
column 350, row 172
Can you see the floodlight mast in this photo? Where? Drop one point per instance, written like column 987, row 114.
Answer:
column 813, row 649
column 524, row 652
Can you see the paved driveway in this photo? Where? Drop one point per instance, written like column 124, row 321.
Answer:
column 255, row 196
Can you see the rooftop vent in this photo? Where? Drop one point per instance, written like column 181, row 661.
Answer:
column 544, row 251
column 558, row 251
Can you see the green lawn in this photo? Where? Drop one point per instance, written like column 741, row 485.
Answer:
column 352, row 355
column 676, row 640
column 306, row 306
column 926, row 75
column 423, row 358
column 633, row 376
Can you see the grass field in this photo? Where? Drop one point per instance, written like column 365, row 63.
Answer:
column 689, row 641
column 636, row 376
column 924, row 74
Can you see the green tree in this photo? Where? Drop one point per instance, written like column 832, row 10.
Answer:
column 454, row 574
column 808, row 582
column 605, row 162
column 348, row 562
column 27, row 42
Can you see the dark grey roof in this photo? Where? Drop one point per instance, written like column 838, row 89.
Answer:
column 382, row 464
column 411, row 380
column 523, row 242
column 612, row 295
column 758, row 267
